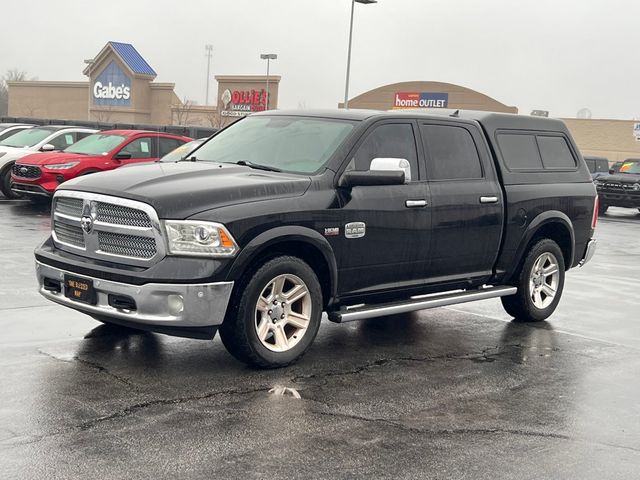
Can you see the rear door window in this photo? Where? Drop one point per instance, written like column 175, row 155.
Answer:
column 63, row 141
column 140, row 148
column 591, row 164
column 555, row 152
column 451, row 153
column 168, row 145
column 602, row 165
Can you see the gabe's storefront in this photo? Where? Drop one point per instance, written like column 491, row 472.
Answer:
column 122, row 89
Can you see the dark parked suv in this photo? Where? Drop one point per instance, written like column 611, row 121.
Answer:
column 597, row 166
column 284, row 215
column 620, row 189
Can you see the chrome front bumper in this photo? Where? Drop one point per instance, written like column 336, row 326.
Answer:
column 203, row 304
column 589, row 252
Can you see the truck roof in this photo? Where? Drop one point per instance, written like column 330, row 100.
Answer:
column 490, row 120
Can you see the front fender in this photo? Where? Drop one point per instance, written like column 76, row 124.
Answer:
column 286, row 234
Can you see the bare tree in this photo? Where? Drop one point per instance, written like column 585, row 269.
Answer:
column 30, row 109
column 182, row 111
column 214, row 119
column 103, row 115
column 13, row 75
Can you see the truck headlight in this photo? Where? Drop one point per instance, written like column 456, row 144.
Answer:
column 191, row 237
column 61, row 166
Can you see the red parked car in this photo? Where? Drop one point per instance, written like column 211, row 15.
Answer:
column 40, row 173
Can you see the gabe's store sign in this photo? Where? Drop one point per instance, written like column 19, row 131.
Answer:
column 421, row 100
column 238, row 103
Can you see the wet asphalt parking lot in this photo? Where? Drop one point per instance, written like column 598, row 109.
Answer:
column 458, row 392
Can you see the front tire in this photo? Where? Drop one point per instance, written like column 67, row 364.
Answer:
column 540, row 283
column 5, row 182
column 274, row 315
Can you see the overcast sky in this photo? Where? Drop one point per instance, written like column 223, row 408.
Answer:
column 557, row 55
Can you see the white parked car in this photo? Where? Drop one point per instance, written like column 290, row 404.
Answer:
column 47, row 138
column 8, row 129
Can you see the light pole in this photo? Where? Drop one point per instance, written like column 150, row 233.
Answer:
column 209, row 54
column 346, row 86
column 268, row 57
column 89, row 62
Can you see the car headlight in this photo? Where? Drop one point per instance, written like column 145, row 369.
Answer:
column 61, row 166
column 191, row 237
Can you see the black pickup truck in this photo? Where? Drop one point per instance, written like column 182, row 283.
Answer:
column 285, row 215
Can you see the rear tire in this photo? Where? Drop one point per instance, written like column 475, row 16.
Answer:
column 540, row 283
column 5, row 182
column 274, row 315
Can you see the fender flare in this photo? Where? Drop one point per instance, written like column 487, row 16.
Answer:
column 285, row 234
column 545, row 218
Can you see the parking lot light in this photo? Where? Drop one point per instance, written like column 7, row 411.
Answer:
column 346, row 86
column 268, row 57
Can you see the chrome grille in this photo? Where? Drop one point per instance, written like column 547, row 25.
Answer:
column 69, row 206
column 127, row 245
column 26, row 171
column 120, row 215
column 69, row 234
column 107, row 228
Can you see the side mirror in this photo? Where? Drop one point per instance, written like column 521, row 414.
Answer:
column 382, row 171
column 611, row 171
column 122, row 156
column 392, row 165
column 354, row 178
column 47, row 147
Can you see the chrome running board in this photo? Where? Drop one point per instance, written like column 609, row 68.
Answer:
column 361, row 312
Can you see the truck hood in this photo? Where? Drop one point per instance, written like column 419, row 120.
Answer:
column 180, row 190
column 49, row 158
column 621, row 178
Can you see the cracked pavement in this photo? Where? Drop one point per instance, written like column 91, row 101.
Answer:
column 457, row 392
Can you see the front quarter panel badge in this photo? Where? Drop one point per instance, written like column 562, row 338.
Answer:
column 355, row 230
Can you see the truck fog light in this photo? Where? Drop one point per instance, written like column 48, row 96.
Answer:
column 176, row 304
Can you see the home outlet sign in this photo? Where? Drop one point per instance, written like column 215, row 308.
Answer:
column 112, row 87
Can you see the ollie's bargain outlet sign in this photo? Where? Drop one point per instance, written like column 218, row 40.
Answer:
column 112, row 87
column 239, row 103
column 420, row 100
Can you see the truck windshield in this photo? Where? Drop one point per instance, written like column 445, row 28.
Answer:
column 96, row 144
column 288, row 143
column 630, row 167
column 26, row 138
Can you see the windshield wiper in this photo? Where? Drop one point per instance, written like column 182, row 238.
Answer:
column 257, row 166
column 188, row 159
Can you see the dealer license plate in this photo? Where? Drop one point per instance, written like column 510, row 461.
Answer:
column 79, row 289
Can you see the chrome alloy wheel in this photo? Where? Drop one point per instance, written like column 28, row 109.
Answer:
column 543, row 280
column 283, row 313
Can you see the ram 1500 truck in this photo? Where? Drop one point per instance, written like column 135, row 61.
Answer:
column 285, row 215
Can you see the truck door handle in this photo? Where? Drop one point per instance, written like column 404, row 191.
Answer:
column 488, row 199
column 415, row 203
